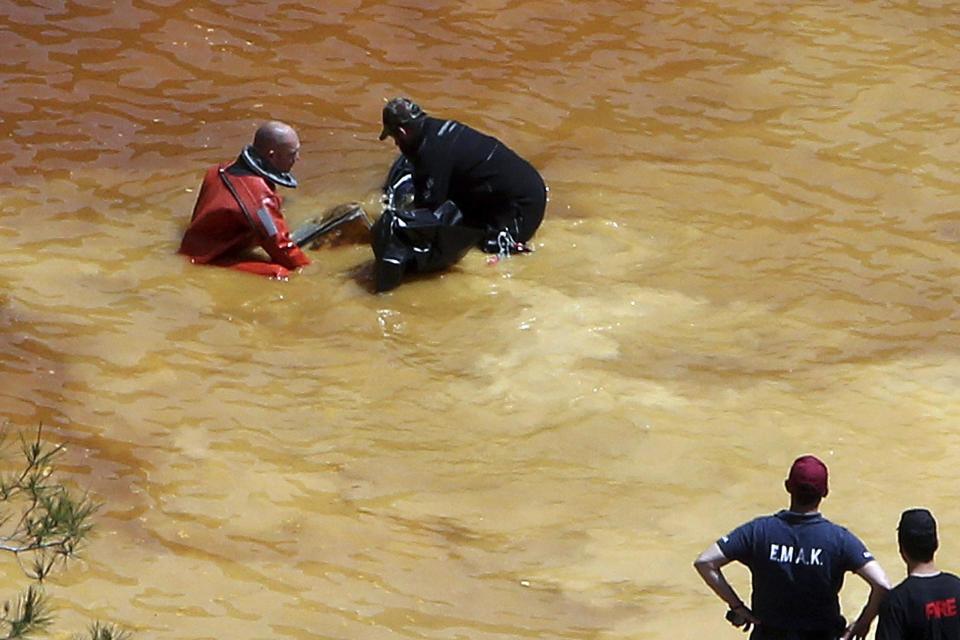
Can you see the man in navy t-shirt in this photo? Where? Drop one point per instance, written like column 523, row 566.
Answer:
column 797, row 560
column 925, row 605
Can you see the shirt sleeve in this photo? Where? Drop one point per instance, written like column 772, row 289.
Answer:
column 738, row 544
column 855, row 553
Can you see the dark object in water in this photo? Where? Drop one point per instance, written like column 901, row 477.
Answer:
column 343, row 223
column 415, row 240
column 420, row 241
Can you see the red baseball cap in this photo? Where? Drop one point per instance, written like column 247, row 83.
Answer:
column 808, row 475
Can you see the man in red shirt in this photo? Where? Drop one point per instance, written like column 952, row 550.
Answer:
column 238, row 208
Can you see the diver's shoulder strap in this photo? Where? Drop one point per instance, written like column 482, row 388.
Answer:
column 228, row 183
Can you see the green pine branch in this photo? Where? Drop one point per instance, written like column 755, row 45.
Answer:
column 101, row 631
column 42, row 524
column 27, row 615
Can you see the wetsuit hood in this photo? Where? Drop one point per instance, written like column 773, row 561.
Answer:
column 256, row 163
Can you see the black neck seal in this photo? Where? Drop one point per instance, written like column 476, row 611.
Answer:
column 256, row 163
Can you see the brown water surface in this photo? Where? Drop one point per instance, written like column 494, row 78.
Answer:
column 751, row 252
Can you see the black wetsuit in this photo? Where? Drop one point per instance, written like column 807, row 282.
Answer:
column 494, row 187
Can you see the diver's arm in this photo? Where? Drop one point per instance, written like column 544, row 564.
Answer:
column 274, row 236
column 433, row 171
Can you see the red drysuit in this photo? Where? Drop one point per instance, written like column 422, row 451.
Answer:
column 236, row 211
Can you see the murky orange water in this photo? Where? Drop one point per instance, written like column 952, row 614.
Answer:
column 751, row 252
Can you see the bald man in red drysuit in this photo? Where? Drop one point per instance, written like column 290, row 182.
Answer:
column 239, row 208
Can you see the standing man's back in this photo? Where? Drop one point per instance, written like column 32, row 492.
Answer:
column 925, row 605
column 797, row 562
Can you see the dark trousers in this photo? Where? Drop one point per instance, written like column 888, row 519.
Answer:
column 530, row 215
column 520, row 216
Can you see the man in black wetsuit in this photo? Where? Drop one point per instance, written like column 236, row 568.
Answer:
column 925, row 605
column 495, row 189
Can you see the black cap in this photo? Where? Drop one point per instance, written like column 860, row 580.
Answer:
column 918, row 525
column 399, row 112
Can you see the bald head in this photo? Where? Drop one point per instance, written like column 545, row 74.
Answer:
column 277, row 143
